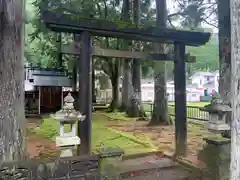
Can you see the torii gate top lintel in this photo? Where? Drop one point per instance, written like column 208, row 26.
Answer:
column 60, row 22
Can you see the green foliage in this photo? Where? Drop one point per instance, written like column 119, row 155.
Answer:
column 40, row 49
column 49, row 129
column 41, row 45
column 207, row 57
column 120, row 116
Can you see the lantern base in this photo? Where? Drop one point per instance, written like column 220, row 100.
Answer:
column 62, row 141
column 67, row 151
column 216, row 156
column 218, row 127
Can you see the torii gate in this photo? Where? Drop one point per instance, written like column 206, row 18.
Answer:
column 60, row 22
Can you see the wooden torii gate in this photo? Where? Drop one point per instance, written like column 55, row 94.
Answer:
column 60, row 22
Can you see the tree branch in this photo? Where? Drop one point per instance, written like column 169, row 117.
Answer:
column 176, row 14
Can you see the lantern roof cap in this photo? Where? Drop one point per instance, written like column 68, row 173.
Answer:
column 217, row 105
column 69, row 98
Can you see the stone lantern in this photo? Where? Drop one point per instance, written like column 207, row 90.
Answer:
column 216, row 152
column 68, row 116
column 218, row 111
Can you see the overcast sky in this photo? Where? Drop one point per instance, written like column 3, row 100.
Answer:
column 171, row 8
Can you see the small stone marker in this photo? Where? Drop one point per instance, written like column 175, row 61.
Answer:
column 110, row 159
column 68, row 116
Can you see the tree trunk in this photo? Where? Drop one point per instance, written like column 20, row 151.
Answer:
column 115, row 93
column 235, row 90
column 74, row 76
column 126, row 84
column 74, row 83
column 224, row 54
column 75, row 73
column 130, row 109
column 126, row 62
column 134, row 100
column 94, row 98
column 59, row 47
column 160, row 113
column 115, row 85
column 12, row 118
column 135, row 108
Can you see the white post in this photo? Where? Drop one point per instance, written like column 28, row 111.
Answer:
column 235, row 89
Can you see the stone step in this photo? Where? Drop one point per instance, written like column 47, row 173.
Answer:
column 145, row 164
column 174, row 173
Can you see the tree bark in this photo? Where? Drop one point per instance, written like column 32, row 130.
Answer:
column 75, row 73
column 235, row 90
column 224, row 49
column 160, row 113
column 134, row 100
column 126, row 62
column 225, row 54
column 74, row 76
column 115, row 93
column 115, row 85
column 94, row 98
column 12, row 118
column 59, row 45
column 126, row 85
column 135, row 108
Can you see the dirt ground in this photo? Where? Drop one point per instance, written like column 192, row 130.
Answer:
column 163, row 137
column 39, row 146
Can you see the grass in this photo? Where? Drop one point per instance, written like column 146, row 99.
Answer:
column 218, row 139
column 121, row 116
column 198, row 104
column 102, row 135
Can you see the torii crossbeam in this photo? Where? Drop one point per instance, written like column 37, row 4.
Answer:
column 73, row 49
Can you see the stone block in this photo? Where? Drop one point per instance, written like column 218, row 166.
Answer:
column 110, row 158
column 66, row 152
column 216, row 155
column 218, row 127
column 67, row 141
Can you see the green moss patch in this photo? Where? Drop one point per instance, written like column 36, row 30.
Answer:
column 120, row 116
column 217, row 139
column 101, row 135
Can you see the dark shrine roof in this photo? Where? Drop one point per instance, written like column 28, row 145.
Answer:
column 60, row 22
